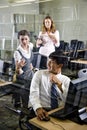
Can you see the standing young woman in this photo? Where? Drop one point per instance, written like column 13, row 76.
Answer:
column 23, row 57
column 47, row 40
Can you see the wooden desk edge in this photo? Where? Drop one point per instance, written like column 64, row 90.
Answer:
column 82, row 50
column 79, row 61
column 66, row 124
column 5, row 83
column 34, row 120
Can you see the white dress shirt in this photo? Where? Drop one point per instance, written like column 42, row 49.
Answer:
column 40, row 90
column 25, row 53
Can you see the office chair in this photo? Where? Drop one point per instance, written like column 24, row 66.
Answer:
column 61, row 47
column 81, row 45
column 73, row 53
column 73, row 48
column 80, row 54
column 76, row 45
column 64, row 46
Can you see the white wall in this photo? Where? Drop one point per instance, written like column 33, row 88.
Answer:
column 7, row 27
column 70, row 17
column 7, row 19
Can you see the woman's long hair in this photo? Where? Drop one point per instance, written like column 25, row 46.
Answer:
column 52, row 29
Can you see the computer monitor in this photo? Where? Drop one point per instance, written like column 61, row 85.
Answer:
column 77, row 93
column 76, row 100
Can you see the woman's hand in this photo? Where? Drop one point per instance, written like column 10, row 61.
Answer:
column 53, row 38
column 39, row 42
column 31, row 66
column 22, row 63
column 19, row 66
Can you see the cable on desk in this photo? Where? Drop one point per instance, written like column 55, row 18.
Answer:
column 57, row 124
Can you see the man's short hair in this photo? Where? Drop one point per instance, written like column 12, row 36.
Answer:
column 59, row 57
column 23, row 32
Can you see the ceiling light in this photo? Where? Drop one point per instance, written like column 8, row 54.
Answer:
column 20, row 4
column 24, row 1
column 4, row 6
column 41, row 1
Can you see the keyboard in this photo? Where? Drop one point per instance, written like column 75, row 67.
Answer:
column 63, row 113
column 4, row 90
column 58, row 114
column 85, row 121
column 83, row 59
column 73, row 116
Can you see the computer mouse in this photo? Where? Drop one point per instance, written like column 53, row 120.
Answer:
column 46, row 118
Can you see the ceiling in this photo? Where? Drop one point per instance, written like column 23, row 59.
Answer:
column 4, row 3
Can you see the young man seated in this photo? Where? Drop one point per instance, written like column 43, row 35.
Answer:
column 49, row 83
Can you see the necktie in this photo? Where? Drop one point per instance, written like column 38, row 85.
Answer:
column 54, row 97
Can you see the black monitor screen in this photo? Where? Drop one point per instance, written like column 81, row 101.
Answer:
column 77, row 94
column 75, row 101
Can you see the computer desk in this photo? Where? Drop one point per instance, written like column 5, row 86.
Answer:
column 81, row 50
column 57, row 124
column 79, row 61
column 3, row 83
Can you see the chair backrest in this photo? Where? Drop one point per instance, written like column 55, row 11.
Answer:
column 61, row 47
column 82, row 73
column 73, row 44
column 64, row 46
column 73, row 48
column 80, row 45
column 76, row 45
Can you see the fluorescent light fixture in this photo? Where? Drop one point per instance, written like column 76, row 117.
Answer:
column 4, row 6
column 23, row 1
column 41, row 1
column 20, row 4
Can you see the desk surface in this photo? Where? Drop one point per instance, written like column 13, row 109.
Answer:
column 79, row 61
column 2, row 82
column 82, row 50
column 56, row 124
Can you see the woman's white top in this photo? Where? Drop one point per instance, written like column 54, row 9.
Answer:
column 49, row 46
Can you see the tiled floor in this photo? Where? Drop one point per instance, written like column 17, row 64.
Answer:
column 8, row 119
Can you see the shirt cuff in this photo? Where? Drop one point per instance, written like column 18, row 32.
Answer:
column 35, row 107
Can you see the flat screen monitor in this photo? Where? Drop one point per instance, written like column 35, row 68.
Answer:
column 77, row 93
column 75, row 101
